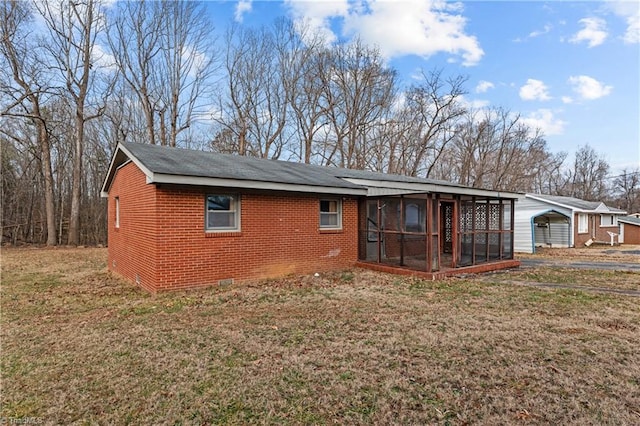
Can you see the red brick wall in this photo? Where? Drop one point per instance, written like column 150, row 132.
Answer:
column 631, row 234
column 594, row 231
column 132, row 246
column 162, row 237
column 279, row 235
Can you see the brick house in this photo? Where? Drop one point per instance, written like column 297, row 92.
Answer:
column 629, row 229
column 558, row 221
column 180, row 218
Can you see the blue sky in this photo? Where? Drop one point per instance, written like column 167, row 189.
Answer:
column 570, row 68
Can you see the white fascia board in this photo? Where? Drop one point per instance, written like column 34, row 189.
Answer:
column 109, row 178
column 104, row 193
column 251, row 184
column 431, row 187
column 104, row 190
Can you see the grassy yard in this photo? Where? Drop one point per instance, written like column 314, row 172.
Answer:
column 81, row 346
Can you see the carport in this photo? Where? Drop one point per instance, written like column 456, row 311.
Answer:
column 551, row 229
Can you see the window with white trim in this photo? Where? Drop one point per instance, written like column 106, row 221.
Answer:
column 608, row 220
column 331, row 214
column 223, row 212
column 583, row 223
column 117, row 206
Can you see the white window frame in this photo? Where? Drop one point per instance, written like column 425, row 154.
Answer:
column 235, row 208
column 611, row 222
column 583, row 223
column 117, row 208
column 337, row 213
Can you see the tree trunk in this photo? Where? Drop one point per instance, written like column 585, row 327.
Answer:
column 74, row 220
column 47, row 173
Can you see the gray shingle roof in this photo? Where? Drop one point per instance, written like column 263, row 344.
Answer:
column 570, row 201
column 577, row 203
column 185, row 162
column 175, row 165
column 630, row 219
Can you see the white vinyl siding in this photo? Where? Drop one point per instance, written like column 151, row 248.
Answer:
column 525, row 233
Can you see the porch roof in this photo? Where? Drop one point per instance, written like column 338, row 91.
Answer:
column 378, row 188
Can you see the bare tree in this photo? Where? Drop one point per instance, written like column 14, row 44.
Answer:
column 549, row 178
column 432, row 108
column 358, row 90
column 308, row 61
column 134, row 41
column 164, row 53
column 627, row 185
column 187, row 65
column 261, row 74
column 492, row 148
column 587, row 177
column 72, row 29
column 21, row 65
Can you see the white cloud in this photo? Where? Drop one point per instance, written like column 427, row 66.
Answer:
column 473, row 104
column 103, row 59
column 317, row 14
column 589, row 88
column 483, row 86
column 632, row 35
column 630, row 12
column 567, row 100
column 547, row 28
column 243, row 6
column 534, row 90
column 594, row 32
column 419, row 27
column 544, row 120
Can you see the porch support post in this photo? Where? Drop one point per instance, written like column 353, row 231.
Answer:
column 473, row 230
column 454, row 232
column 428, row 227
column 513, row 218
column 379, row 230
column 402, row 230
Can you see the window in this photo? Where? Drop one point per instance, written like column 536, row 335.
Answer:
column 583, row 223
column 413, row 218
column 117, row 221
column 608, row 220
column 223, row 212
column 330, row 214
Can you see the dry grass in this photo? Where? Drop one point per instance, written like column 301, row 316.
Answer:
column 357, row 347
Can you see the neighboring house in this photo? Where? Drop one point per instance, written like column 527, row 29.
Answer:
column 181, row 219
column 555, row 221
column 629, row 229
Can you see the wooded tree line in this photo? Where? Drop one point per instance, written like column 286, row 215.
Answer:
column 78, row 77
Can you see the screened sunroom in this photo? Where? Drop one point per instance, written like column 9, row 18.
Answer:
column 432, row 232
